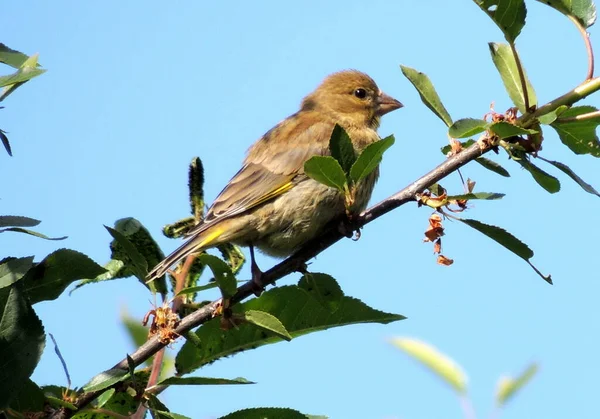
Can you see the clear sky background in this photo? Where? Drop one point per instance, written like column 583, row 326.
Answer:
column 134, row 90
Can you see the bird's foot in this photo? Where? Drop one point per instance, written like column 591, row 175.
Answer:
column 258, row 285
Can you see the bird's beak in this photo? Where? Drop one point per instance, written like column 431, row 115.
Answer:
column 387, row 104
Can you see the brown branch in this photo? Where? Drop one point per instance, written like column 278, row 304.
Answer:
column 588, row 45
column 297, row 261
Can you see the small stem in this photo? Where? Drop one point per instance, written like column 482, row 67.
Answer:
column 582, row 117
column 521, row 76
column 584, row 89
column 588, row 45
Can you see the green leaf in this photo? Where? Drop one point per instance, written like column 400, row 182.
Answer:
column 136, row 248
column 5, row 142
column 438, row 363
column 233, row 255
column 106, row 379
column 31, row 233
column 567, row 170
column 550, row 117
column 104, row 397
column 509, row 15
column 195, row 381
column 30, row 398
column 341, row 148
column 492, row 166
column 13, row 269
column 11, row 57
column 504, row 238
column 506, row 130
column 266, row 413
column 488, row 196
column 27, row 71
column 545, row 180
column 267, row 322
column 467, row 127
column 49, row 278
column 582, row 10
column 508, row 387
column 17, row 221
column 22, row 341
column 427, row 92
column 324, row 288
column 297, row 309
column 504, row 61
column 326, row 170
column 370, row 158
column 224, row 278
column 579, row 136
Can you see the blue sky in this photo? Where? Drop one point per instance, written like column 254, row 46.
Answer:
column 135, row 90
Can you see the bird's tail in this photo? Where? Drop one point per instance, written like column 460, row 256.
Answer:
column 195, row 244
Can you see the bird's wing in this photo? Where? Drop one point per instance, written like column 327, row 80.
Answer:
column 271, row 169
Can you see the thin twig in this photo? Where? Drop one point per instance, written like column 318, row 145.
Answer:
column 582, row 117
column 588, row 45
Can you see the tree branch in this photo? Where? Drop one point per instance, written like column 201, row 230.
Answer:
column 297, row 261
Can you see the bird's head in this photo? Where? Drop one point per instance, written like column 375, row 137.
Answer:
column 351, row 98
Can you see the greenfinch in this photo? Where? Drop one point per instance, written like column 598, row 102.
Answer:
column 271, row 203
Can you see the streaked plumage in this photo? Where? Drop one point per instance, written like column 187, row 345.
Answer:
column 270, row 203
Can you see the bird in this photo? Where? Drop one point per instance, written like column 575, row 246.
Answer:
column 270, row 203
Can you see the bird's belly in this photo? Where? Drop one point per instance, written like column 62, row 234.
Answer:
column 301, row 214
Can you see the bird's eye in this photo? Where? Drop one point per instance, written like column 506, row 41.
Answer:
column 360, row 93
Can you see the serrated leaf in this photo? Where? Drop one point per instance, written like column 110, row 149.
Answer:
column 488, row 196
column 49, row 278
column 104, row 397
column 266, row 413
column 31, row 233
column 508, row 15
column 582, row 10
column 22, row 341
column 161, row 414
column 508, row 387
column 427, row 93
column 510, row 242
column 13, row 269
column 326, row 170
column 467, row 127
column 503, row 237
column 567, row 170
column 370, row 158
column 106, row 379
column 492, row 166
column 505, row 130
column 438, row 363
column 17, row 221
column 579, row 136
column 506, row 65
column 297, row 309
column 267, row 322
column 324, row 288
column 545, row 180
column 341, row 148
column 195, row 381
column 224, row 277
